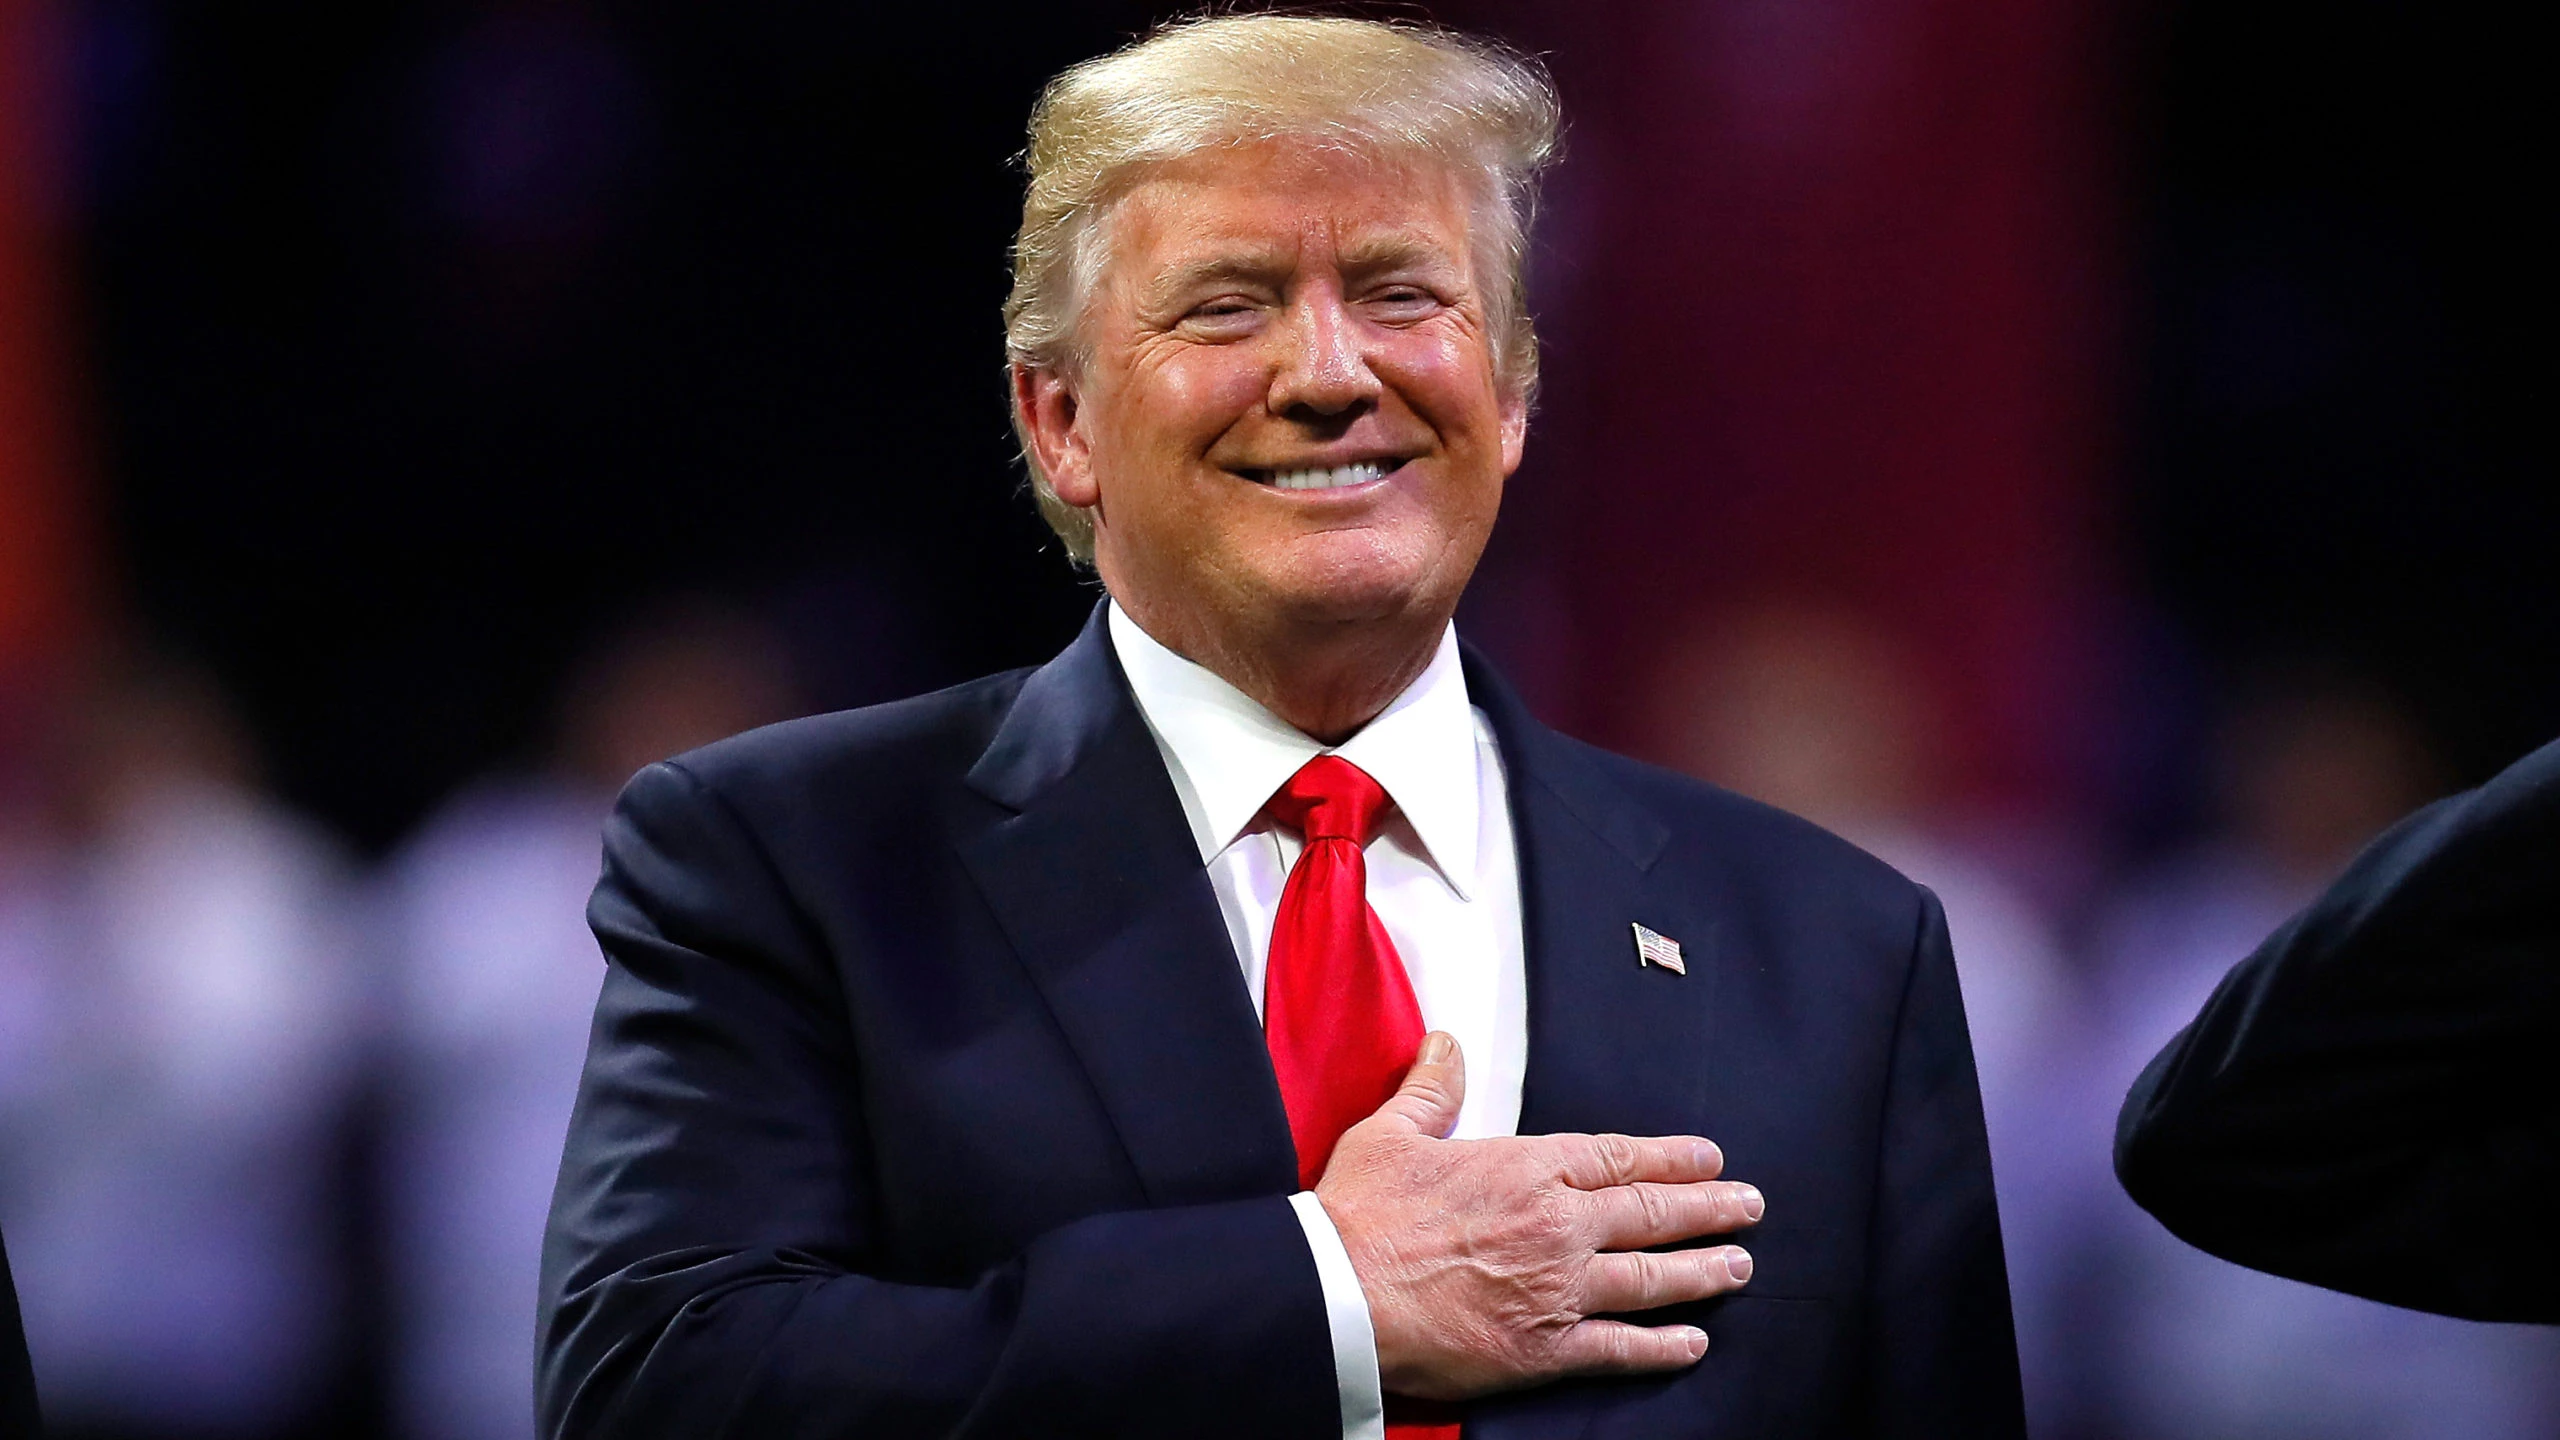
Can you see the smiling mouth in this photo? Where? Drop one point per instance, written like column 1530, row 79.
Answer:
column 1324, row 477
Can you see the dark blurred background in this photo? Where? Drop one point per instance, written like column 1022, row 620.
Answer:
column 2082, row 452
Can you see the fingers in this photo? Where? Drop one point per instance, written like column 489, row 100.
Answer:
column 1593, row 1162
column 1614, row 1347
column 1625, row 1217
column 1427, row 1103
column 1648, row 1280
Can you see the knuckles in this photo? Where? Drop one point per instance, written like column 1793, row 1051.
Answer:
column 1662, row 1210
column 1552, row 1221
column 1618, row 1157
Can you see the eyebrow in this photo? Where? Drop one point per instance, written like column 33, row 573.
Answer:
column 1391, row 251
column 1252, row 266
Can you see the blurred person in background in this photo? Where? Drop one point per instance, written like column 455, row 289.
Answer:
column 180, row 1005
column 1813, row 709
column 495, row 986
column 2175, row 1343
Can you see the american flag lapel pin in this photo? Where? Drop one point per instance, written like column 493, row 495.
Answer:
column 1655, row 948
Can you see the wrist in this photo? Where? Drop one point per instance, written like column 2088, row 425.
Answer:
column 1376, row 1267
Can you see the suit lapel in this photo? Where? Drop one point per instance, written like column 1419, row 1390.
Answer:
column 1099, row 886
column 1613, row 1045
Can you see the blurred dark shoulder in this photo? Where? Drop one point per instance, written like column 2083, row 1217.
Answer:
column 925, row 741
column 17, row 1378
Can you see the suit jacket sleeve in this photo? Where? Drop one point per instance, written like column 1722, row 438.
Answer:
column 1944, row 1355
column 712, row 1266
column 17, row 1377
column 2368, row 1102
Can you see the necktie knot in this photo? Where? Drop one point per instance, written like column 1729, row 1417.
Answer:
column 1330, row 799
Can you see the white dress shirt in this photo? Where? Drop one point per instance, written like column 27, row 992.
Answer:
column 1444, row 878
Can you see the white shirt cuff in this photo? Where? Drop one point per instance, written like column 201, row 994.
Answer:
column 1346, row 1309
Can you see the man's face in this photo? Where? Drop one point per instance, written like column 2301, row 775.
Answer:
column 1288, row 412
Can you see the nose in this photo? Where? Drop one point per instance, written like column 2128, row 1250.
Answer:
column 1323, row 368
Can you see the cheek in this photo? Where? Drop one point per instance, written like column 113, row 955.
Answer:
column 1184, row 401
column 1168, row 409
column 1448, row 379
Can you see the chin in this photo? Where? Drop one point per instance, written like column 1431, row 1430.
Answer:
column 1354, row 590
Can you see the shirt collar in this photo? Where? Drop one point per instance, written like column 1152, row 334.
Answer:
column 1227, row 754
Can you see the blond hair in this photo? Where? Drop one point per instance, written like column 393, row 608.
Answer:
column 1390, row 88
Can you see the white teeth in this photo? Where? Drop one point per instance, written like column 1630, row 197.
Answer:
column 1321, row 478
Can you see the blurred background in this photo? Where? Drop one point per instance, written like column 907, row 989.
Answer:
column 2082, row 451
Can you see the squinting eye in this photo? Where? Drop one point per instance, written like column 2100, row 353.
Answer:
column 1220, row 316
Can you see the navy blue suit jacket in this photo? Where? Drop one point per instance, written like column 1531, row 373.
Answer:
column 2377, row 1079
column 925, row 1098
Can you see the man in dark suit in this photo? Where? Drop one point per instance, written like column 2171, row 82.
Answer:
column 1252, row 1022
column 17, row 1377
column 2369, row 1102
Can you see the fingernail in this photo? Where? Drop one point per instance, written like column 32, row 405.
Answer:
column 1697, row 1339
column 1737, row 1263
column 1752, row 1204
column 1436, row 1047
column 1707, row 1157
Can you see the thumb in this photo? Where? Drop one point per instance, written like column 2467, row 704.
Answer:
column 1427, row 1103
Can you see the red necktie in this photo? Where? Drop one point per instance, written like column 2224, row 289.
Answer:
column 1337, row 1008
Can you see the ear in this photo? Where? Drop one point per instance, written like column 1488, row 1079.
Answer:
column 1045, row 403
column 1515, row 432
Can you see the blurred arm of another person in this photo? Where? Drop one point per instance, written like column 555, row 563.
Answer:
column 2369, row 1102
column 17, row 1377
